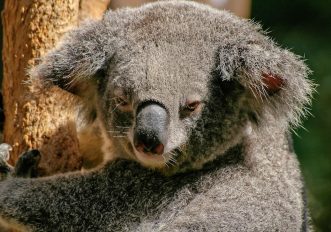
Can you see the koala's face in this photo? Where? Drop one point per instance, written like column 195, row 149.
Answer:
column 180, row 82
column 164, row 106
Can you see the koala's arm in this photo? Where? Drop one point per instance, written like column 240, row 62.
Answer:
column 241, row 200
column 43, row 203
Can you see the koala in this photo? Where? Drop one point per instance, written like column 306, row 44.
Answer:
column 194, row 106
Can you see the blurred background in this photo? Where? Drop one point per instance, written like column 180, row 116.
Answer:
column 304, row 27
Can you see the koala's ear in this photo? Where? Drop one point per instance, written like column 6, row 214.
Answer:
column 76, row 61
column 276, row 78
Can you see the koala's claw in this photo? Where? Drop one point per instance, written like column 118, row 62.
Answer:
column 5, row 168
column 27, row 164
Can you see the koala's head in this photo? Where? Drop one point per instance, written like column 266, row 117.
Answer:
column 175, row 84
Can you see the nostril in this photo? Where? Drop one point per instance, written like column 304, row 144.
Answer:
column 158, row 149
column 147, row 144
column 140, row 147
column 155, row 149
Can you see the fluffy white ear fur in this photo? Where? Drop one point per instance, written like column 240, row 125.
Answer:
column 80, row 57
column 271, row 74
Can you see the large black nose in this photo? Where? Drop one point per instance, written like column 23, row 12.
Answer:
column 150, row 132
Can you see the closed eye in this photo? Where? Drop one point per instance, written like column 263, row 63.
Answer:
column 121, row 100
column 190, row 109
column 192, row 106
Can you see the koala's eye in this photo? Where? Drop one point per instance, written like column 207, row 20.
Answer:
column 191, row 107
column 121, row 101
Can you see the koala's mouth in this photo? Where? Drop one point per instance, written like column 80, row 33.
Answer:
column 152, row 160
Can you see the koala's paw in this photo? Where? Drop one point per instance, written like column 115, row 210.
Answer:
column 27, row 164
column 5, row 168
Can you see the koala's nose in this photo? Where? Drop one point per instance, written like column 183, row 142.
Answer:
column 150, row 132
column 148, row 143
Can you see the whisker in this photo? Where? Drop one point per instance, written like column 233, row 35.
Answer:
column 117, row 132
column 170, row 163
column 171, row 158
column 116, row 107
column 165, row 161
column 123, row 132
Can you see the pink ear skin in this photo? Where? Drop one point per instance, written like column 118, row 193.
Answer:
column 273, row 83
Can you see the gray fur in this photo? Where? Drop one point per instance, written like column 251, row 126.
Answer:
column 234, row 169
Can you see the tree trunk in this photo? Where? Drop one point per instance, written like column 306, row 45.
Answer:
column 40, row 120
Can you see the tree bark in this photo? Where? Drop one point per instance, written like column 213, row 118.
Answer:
column 40, row 120
column 92, row 9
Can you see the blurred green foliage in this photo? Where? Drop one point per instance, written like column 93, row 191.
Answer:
column 304, row 26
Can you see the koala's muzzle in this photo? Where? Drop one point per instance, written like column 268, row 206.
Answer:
column 150, row 132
